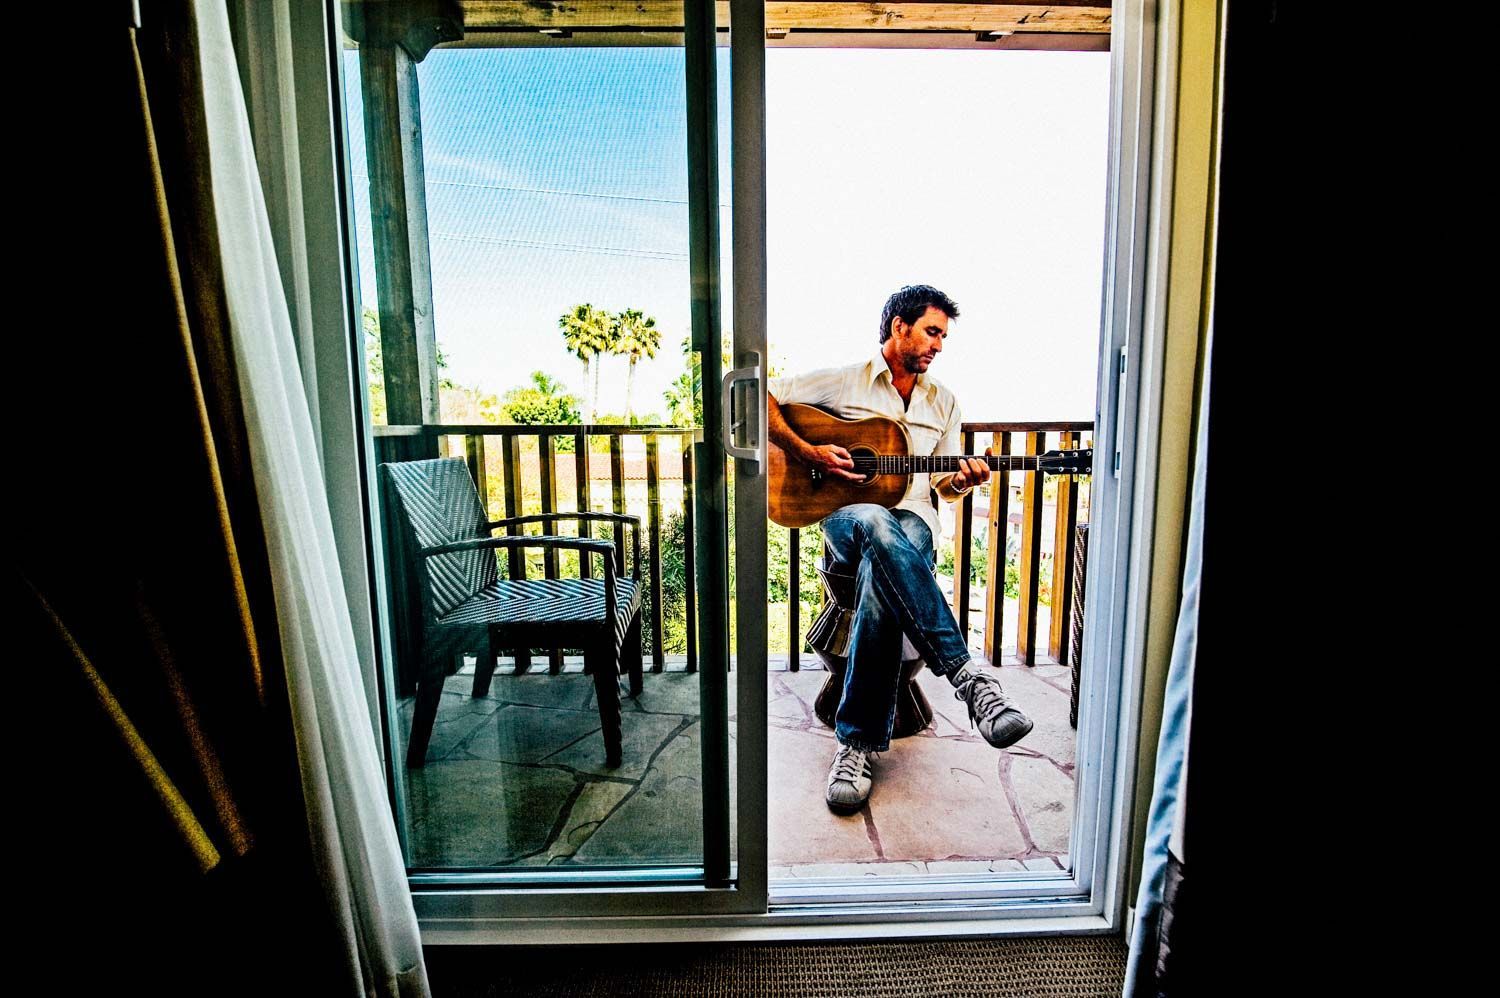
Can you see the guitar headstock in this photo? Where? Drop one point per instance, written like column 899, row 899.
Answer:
column 1067, row 462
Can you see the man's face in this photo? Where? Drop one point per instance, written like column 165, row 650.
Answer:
column 917, row 344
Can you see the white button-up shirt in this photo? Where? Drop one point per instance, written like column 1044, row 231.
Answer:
column 859, row 390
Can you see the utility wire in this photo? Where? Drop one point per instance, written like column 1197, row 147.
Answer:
column 630, row 251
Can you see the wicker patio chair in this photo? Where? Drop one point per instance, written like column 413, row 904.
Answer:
column 450, row 559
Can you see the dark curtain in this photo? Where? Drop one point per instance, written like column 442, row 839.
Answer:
column 1240, row 909
column 165, row 832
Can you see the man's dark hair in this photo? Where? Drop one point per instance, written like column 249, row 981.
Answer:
column 911, row 303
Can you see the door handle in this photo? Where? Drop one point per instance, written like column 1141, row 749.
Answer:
column 756, row 419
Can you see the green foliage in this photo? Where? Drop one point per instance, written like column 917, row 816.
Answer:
column 979, row 560
column 374, row 367
column 543, row 401
column 684, row 399
column 674, row 584
column 589, row 332
column 456, row 403
column 778, row 563
column 635, row 336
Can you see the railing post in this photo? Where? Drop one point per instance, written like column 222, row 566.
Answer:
column 999, row 527
column 653, row 513
column 581, row 491
column 689, row 565
column 1063, row 542
column 962, row 549
column 794, row 601
column 511, row 455
column 547, row 459
column 1031, row 562
column 474, row 453
column 617, row 488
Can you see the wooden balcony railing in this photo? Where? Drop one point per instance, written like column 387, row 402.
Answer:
column 505, row 495
column 1034, row 441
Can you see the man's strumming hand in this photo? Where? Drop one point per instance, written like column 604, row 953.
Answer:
column 831, row 460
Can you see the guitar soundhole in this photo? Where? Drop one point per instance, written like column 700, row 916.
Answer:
column 865, row 452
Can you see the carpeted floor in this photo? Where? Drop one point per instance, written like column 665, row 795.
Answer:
column 1064, row 966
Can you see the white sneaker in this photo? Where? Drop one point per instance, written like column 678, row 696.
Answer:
column 849, row 780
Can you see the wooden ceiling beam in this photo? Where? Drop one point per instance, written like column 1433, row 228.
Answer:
column 1074, row 17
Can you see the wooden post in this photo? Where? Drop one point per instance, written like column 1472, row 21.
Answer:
column 474, row 453
column 514, row 506
column 581, row 491
column 994, row 581
column 1063, row 541
column 547, row 456
column 617, row 489
column 794, row 601
column 1031, row 552
column 689, row 566
column 653, row 513
column 393, row 37
column 962, row 549
column 510, row 456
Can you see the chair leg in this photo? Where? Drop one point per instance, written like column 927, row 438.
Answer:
column 634, row 652
column 484, row 669
column 429, row 694
column 601, row 654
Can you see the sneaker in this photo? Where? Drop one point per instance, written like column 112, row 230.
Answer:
column 849, row 780
column 990, row 710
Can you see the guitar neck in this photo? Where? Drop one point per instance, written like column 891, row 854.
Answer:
column 934, row 464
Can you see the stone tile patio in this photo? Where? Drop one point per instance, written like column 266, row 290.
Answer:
column 516, row 778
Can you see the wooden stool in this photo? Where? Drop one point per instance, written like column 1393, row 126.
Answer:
column 829, row 637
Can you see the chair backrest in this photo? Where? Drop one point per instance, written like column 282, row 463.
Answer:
column 439, row 505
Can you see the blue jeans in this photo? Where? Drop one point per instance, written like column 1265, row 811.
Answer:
column 892, row 553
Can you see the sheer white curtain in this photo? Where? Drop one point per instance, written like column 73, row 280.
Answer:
column 352, row 830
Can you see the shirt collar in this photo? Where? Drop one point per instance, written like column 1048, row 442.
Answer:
column 878, row 366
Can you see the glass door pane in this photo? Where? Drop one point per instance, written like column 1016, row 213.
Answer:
column 1026, row 135
column 535, row 225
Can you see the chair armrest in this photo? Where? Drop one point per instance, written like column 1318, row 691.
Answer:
column 621, row 518
column 522, row 541
column 539, row 517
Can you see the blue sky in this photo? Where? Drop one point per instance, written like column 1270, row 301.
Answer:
column 557, row 176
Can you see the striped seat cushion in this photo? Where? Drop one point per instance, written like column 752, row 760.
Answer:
column 546, row 600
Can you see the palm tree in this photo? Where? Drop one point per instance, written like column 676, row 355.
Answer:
column 588, row 332
column 636, row 336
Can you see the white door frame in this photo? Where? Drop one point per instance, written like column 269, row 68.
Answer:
column 1091, row 898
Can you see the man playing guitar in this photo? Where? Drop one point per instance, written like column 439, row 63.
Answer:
column 893, row 548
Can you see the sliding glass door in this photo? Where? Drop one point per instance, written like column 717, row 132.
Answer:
column 550, row 400
column 553, row 340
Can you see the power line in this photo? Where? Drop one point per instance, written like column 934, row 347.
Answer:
column 554, row 193
column 638, row 252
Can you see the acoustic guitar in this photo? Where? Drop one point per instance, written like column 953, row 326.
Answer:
column 799, row 495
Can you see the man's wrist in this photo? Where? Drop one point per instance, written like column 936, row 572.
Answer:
column 953, row 490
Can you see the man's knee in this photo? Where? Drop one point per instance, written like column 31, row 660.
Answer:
column 915, row 530
column 874, row 518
